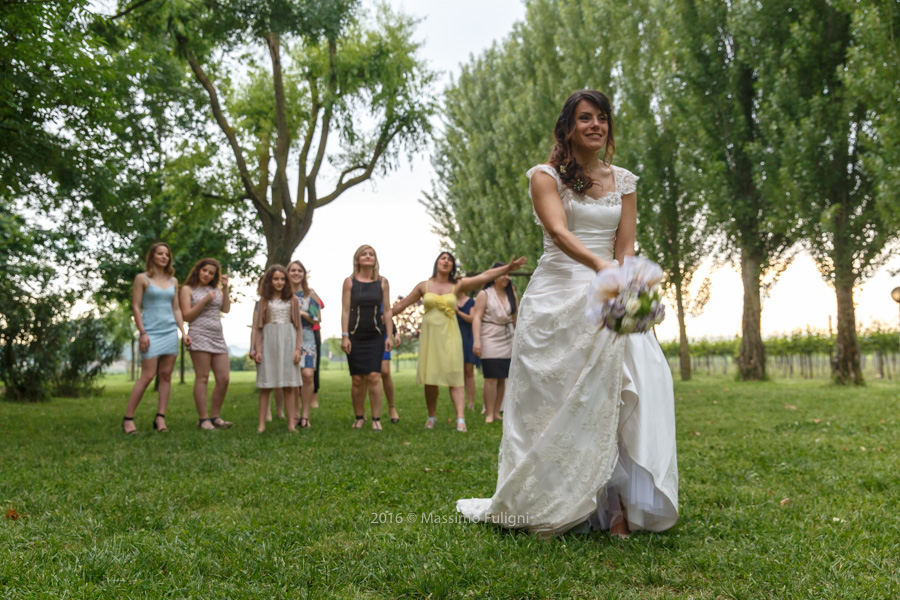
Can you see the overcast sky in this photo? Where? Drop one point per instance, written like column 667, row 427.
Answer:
column 387, row 214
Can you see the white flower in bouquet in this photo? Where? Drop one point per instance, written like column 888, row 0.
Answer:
column 632, row 305
column 627, row 325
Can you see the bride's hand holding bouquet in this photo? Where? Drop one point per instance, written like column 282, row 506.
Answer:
column 627, row 299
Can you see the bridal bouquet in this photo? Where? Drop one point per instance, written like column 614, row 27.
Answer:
column 627, row 300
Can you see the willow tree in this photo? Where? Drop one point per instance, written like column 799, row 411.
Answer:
column 831, row 133
column 335, row 101
column 722, row 51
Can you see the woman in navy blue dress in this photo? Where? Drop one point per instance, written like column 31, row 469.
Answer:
column 464, row 305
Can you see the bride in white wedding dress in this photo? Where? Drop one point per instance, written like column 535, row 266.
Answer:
column 589, row 424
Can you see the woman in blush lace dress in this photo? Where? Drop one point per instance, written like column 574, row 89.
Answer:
column 588, row 429
column 204, row 297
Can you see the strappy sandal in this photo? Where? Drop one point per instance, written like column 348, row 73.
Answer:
column 220, row 423
column 133, row 431
column 162, row 429
column 200, row 425
column 304, row 423
column 461, row 425
column 394, row 419
column 359, row 422
column 376, row 423
column 429, row 424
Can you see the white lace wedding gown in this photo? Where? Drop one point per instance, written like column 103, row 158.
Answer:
column 589, row 416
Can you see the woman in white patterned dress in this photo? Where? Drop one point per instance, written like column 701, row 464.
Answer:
column 569, row 456
column 202, row 304
column 276, row 344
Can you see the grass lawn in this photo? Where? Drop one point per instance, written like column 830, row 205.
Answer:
column 788, row 490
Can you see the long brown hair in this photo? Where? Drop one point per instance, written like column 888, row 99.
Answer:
column 375, row 275
column 561, row 157
column 305, row 283
column 267, row 290
column 150, row 266
column 193, row 278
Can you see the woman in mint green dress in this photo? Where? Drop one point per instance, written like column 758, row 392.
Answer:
column 157, row 315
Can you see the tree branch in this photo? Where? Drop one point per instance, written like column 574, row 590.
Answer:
column 308, row 138
column 201, row 76
column 384, row 139
column 134, row 6
column 283, row 135
column 326, row 126
column 263, row 162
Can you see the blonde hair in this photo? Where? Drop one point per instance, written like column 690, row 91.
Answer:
column 356, row 255
column 151, row 265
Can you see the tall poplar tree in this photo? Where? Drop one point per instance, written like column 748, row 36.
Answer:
column 830, row 136
column 671, row 209
column 723, row 50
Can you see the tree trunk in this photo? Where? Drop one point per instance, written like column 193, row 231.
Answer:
column 684, row 349
column 845, row 367
column 752, row 358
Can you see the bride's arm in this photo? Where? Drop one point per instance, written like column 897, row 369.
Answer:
column 549, row 209
column 627, row 227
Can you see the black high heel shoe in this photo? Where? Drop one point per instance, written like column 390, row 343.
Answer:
column 133, row 431
column 162, row 429
column 376, row 424
column 359, row 422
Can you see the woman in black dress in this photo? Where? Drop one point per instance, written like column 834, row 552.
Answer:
column 364, row 325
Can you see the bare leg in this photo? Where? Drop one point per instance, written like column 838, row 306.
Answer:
column 458, row 396
column 498, row 403
column 387, row 382
column 469, row 370
column 166, row 366
column 490, row 399
column 202, row 362
column 264, row 414
column 148, row 372
column 291, row 399
column 279, row 404
column 619, row 528
column 373, row 381
column 221, row 368
column 306, row 395
column 431, row 398
column 358, row 394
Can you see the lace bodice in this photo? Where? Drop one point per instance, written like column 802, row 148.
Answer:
column 279, row 311
column 593, row 220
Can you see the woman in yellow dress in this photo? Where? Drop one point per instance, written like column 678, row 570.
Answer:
column 440, row 343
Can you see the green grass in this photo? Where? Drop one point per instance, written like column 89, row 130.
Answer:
column 233, row 514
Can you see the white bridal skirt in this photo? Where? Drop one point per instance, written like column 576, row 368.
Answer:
column 589, row 418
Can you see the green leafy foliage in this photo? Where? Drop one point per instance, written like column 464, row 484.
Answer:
column 92, row 343
column 331, row 73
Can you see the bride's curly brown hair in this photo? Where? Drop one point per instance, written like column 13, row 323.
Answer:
column 561, row 157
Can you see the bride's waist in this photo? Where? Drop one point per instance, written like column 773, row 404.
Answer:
column 555, row 259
